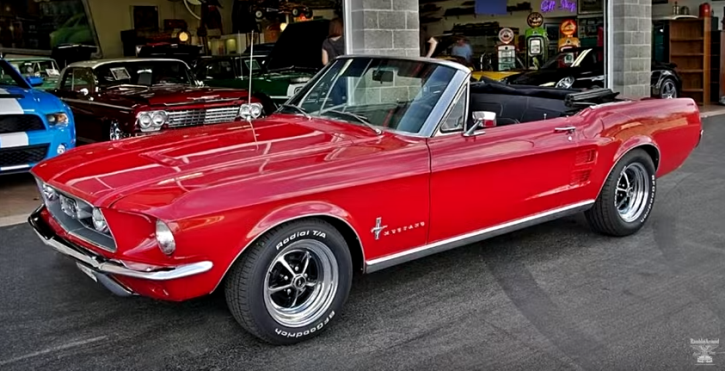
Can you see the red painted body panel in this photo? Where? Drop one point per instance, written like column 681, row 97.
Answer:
column 220, row 187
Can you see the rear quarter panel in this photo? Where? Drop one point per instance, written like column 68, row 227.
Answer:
column 672, row 126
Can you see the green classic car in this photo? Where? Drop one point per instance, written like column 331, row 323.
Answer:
column 43, row 67
column 294, row 59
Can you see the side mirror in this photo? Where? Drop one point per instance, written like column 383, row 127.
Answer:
column 481, row 120
column 83, row 91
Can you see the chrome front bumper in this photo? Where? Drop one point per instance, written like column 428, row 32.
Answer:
column 99, row 268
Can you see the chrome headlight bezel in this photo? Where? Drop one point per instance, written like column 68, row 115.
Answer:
column 151, row 120
column 250, row 110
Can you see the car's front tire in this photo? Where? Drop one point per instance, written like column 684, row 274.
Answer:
column 625, row 202
column 289, row 285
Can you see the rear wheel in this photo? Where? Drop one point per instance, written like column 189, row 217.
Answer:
column 289, row 285
column 626, row 200
column 668, row 89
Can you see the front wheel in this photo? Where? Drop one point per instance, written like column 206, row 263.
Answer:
column 626, row 200
column 288, row 286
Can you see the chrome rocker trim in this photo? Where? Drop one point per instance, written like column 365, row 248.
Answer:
column 477, row 236
column 100, row 265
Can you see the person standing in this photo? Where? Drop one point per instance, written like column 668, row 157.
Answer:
column 462, row 49
column 334, row 45
column 428, row 43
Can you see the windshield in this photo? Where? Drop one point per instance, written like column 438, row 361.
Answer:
column 37, row 68
column 573, row 58
column 388, row 94
column 9, row 76
column 143, row 73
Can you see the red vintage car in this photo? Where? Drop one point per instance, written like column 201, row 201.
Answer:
column 113, row 99
column 376, row 162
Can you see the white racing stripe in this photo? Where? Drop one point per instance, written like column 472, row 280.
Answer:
column 9, row 106
column 13, row 139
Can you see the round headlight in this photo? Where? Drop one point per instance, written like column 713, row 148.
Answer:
column 61, row 149
column 159, row 118
column 245, row 110
column 144, row 120
column 256, row 110
column 165, row 238
column 565, row 83
column 99, row 221
column 49, row 193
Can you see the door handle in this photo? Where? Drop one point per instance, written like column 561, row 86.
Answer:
column 566, row 129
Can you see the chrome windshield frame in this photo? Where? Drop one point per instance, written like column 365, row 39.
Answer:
column 461, row 76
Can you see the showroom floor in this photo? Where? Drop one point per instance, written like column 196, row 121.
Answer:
column 556, row 296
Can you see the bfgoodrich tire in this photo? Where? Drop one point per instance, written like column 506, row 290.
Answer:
column 290, row 284
column 626, row 200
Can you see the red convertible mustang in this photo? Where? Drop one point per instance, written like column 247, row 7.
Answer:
column 376, row 162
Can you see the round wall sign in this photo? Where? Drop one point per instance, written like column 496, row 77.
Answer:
column 535, row 20
column 506, row 35
column 568, row 27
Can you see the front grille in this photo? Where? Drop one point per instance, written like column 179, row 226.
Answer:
column 23, row 155
column 75, row 216
column 20, row 123
column 194, row 117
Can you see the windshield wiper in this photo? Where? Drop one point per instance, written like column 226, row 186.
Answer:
column 361, row 119
column 297, row 108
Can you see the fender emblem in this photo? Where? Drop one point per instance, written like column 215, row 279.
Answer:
column 378, row 228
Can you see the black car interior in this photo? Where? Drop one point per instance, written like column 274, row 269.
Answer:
column 515, row 104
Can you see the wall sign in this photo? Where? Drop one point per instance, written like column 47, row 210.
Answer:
column 553, row 5
column 535, row 20
column 506, row 35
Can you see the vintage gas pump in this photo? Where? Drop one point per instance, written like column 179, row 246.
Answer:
column 506, row 50
column 537, row 41
column 569, row 41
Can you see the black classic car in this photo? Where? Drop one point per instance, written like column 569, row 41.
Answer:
column 583, row 68
column 116, row 98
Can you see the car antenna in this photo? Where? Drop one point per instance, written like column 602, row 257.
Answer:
column 249, row 92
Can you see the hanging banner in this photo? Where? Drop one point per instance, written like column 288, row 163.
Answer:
column 491, row 7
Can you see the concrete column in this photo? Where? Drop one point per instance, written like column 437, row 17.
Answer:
column 631, row 47
column 387, row 27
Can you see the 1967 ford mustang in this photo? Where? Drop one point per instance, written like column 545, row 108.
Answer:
column 408, row 158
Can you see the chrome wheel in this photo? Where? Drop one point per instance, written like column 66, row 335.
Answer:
column 301, row 283
column 668, row 90
column 632, row 192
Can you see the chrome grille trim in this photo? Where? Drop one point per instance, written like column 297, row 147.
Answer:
column 195, row 117
column 81, row 229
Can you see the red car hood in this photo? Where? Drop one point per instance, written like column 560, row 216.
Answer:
column 180, row 161
column 169, row 94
